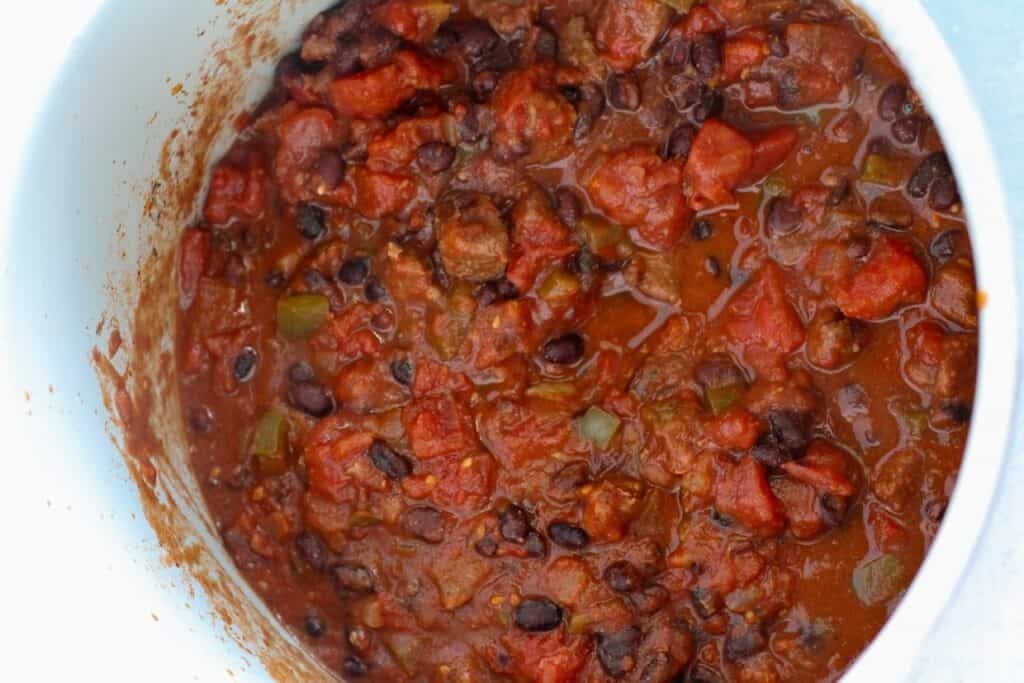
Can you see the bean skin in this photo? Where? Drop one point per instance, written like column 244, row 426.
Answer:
column 311, row 398
column 354, row 271
column 353, row 579
column 310, row 221
column 565, row 350
column 436, row 157
column 394, row 465
column 706, row 54
column 680, row 142
column 623, row 576
column 568, row 535
column 624, row 92
column 537, row 614
column 890, row 104
column 514, row 524
column 312, row 549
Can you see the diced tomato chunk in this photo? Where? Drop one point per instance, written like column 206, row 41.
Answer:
column 825, row 56
column 760, row 315
column 639, row 189
column 380, row 194
column 823, row 467
column 743, row 52
column 395, row 149
column 940, row 362
column 437, row 426
column 379, row 91
column 501, row 331
column 532, row 119
column 742, row 493
column 626, row 30
column 303, row 138
column 885, row 531
column 415, row 20
column 891, row 277
column 698, row 20
column 770, row 150
column 547, row 658
column 236, row 192
column 348, row 333
column 737, row 429
column 538, row 238
column 464, row 483
column 517, row 434
column 720, row 158
column 329, row 453
column 436, row 378
column 193, row 258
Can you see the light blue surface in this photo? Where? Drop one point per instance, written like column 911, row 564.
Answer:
column 981, row 635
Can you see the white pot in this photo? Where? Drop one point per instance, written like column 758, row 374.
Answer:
column 87, row 583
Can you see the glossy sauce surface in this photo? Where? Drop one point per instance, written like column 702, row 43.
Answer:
column 581, row 340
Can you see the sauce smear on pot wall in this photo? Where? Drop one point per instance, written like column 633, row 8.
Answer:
column 581, row 340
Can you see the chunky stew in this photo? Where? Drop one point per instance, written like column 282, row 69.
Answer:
column 581, row 340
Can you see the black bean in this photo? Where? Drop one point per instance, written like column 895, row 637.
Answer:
column 275, row 279
column 783, row 216
column 710, row 104
column 311, row 398
column 957, row 412
column 906, row 129
column 568, row 535
column 943, row 247
column 477, row 41
column 346, row 57
column 934, row 166
column 570, row 92
column 484, row 83
column 535, row 545
column 744, row 641
column 706, row 54
column 355, row 667
column 311, row 221
column 486, row 546
column 537, row 614
column 769, row 455
column 944, row 194
column 890, row 104
column 314, row 626
column 617, row 652
column 568, row 207
column 649, row 599
column 712, row 266
column 934, row 510
column 703, row 673
column 244, row 365
column 374, row 290
column 838, row 194
column 312, row 549
column 402, row 371
column 425, row 523
column 514, row 524
column 377, row 46
column 240, row 478
column 588, row 110
column 435, row 157
column 624, row 92
column 444, row 39
column 354, row 271
column 314, row 280
column 200, row 419
column 777, row 45
column 386, row 459
column 623, row 576
column 832, row 509
column 676, row 52
column 331, row 169
column 565, row 350
column 701, row 230
column 352, row 579
column 546, row 43
column 680, row 142
column 706, row 603
column 790, row 430
column 300, row 372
